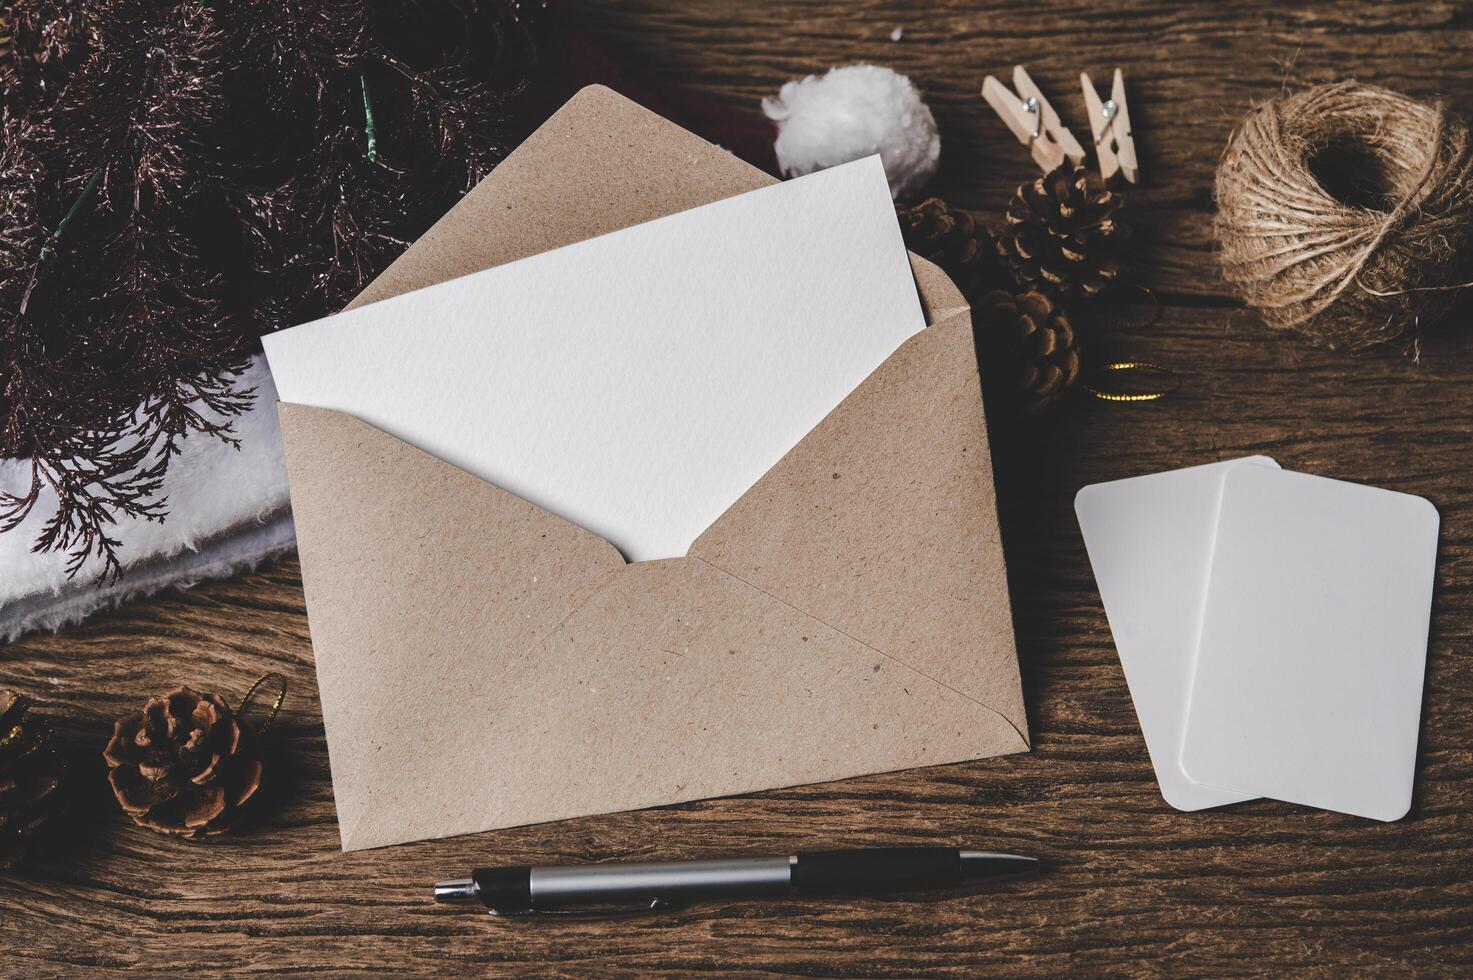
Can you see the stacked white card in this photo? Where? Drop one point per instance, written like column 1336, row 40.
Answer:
column 1272, row 627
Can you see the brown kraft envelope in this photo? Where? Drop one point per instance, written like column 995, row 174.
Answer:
column 485, row 664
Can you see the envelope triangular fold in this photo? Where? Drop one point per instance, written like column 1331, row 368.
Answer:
column 550, row 679
column 414, row 572
column 883, row 519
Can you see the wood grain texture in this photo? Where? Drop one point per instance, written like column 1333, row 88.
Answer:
column 1134, row 887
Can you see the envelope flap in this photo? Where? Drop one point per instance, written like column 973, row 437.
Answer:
column 414, row 570
column 599, row 164
column 882, row 523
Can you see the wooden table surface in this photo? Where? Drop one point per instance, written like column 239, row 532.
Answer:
column 1133, row 885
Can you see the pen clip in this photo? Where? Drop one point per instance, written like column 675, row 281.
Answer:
column 591, row 912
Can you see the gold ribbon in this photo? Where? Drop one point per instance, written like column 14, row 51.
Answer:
column 1169, row 382
column 1167, row 379
column 275, row 707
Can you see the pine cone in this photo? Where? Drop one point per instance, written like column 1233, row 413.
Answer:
column 1061, row 234
column 950, row 238
column 30, row 777
column 1041, row 337
column 184, row 764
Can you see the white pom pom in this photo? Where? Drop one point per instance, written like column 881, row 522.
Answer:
column 851, row 113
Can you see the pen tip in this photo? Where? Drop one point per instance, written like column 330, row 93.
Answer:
column 986, row 864
column 457, row 892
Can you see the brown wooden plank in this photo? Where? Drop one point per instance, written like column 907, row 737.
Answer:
column 1134, row 886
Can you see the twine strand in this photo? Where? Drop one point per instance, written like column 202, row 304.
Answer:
column 1357, row 265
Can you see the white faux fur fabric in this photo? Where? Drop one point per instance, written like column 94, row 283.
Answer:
column 228, row 511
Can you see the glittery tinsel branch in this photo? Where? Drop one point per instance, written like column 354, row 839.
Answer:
column 177, row 179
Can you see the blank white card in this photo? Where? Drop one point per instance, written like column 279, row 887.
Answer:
column 1150, row 544
column 638, row 383
column 1308, row 685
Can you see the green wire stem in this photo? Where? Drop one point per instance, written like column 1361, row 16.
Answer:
column 49, row 249
column 369, row 129
column 53, row 239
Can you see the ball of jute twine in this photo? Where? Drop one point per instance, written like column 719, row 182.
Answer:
column 1345, row 212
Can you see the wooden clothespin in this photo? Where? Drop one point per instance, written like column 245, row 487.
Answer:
column 1032, row 120
column 1110, row 123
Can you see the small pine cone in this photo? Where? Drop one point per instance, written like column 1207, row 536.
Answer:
column 1061, row 235
column 184, row 764
column 1040, row 334
column 950, row 238
column 30, row 778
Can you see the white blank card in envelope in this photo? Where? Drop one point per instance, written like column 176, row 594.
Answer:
column 638, row 383
column 1308, row 685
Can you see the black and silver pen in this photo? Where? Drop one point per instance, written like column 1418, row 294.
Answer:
column 603, row 889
